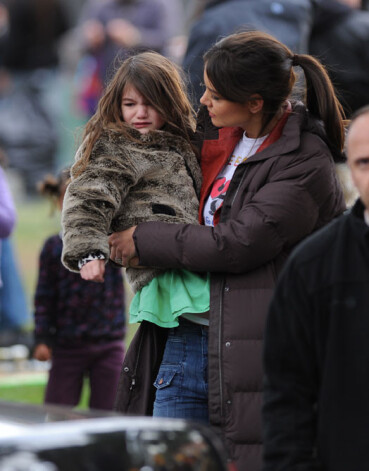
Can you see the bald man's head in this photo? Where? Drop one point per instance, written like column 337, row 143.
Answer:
column 357, row 147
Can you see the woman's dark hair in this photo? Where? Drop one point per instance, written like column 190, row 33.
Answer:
column 254, row 62
column 159, row 81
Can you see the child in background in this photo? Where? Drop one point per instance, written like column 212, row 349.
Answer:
column 79, row 325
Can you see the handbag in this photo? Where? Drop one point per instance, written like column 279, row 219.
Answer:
column 136, row 390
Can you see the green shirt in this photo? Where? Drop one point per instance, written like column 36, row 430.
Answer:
column 169, row 295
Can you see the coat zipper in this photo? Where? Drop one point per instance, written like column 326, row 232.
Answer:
column 221, row 319
column 220, row 349
column 239, row 185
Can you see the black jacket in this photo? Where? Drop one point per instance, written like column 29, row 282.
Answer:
column 31, row 40
column 340, row 40
column 316, row 354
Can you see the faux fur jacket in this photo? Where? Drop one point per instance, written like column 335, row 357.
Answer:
column 155, row 177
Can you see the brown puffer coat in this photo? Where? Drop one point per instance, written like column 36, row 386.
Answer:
column 276, row 198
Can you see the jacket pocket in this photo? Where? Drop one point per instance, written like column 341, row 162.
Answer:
column 162, row 209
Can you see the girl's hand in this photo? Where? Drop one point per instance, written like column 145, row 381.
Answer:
column 42, row 352
column 122, row 248
column 93, row 271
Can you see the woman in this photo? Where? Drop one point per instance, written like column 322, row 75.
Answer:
column 268, row 181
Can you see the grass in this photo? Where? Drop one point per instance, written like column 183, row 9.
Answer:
column 30, row 393
column 34, row 225
column 30, row 389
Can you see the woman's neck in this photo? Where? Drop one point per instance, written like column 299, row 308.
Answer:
column 257, row 129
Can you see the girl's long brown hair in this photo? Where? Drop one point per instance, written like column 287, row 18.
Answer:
column 254, row 62
column 159, row 81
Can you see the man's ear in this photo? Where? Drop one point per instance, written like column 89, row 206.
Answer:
column 255, row 103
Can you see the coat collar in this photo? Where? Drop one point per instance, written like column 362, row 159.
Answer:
column 358, row 209
column 215, row 153
column 163, row 138
column 356, row 216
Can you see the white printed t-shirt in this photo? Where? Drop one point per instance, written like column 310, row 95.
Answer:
column 245, row 148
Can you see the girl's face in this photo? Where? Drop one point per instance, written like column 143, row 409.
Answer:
column 138, row 113
column 224, row 113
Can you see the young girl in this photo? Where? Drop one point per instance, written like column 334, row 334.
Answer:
column 79, row 325
column 137, row 164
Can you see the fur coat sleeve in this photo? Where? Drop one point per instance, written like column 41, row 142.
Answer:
column 91, row 202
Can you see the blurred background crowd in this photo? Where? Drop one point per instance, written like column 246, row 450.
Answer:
column 57, row 55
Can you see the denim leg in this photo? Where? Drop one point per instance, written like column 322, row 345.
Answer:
column 182, row 384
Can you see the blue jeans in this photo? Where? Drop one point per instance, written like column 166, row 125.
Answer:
column 14, row 313
column 182, row 383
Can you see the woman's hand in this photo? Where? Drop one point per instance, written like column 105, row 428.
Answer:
column 93, row 271
column 122, row 248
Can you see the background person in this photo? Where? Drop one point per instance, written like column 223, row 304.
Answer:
column 288, row 20
column 339, row 31
column 268, row 181
column 316, row 412
column 14, row 314
column 30, row 86
column 8, row 214
column 110, row 31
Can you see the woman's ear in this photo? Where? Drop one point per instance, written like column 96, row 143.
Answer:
column 255, row 103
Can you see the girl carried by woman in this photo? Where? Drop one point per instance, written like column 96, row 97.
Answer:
column 137, row 164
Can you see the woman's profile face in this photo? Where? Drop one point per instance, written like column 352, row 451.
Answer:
column 224, row 113
column 138, row 113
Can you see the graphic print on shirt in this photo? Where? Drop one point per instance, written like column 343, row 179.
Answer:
column 244, row 149
column 217, row 194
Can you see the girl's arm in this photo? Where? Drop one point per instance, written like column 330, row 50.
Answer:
column 90, row 204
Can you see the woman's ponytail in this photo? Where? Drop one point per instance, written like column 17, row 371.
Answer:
column 321, row 99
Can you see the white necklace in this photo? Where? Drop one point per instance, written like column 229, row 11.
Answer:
column 253, row 149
